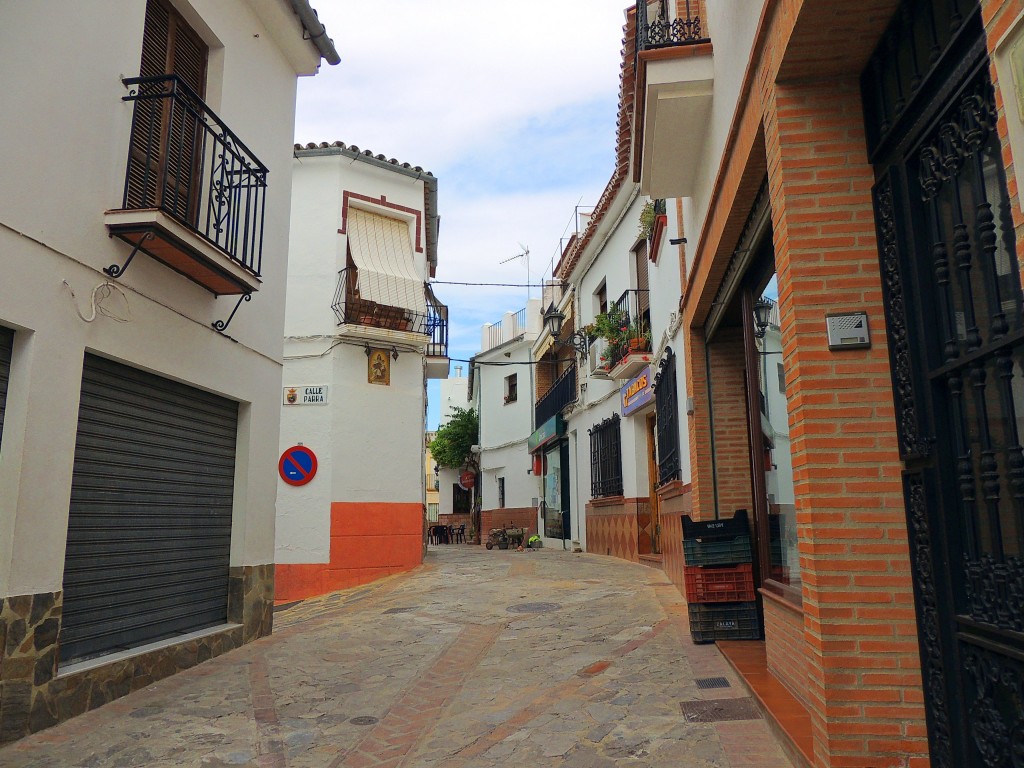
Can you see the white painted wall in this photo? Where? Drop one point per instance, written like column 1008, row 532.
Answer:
column 732, row 25
column 369, row 439
column 63, row 149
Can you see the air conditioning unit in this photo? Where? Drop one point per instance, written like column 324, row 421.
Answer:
column 597, row 347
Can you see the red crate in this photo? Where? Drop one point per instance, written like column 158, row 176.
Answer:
column 730, row 584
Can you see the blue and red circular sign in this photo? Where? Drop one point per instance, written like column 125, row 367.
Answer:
column 297, row 465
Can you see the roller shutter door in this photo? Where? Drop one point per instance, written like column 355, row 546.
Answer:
column 6, row 343
column 149, row 529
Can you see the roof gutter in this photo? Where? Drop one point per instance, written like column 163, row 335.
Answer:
column 317, row 33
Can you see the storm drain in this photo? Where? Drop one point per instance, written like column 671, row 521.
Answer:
column 398, row 610
column 533, row 607
column 712, row 682
column 717, row 710
column 364, row 720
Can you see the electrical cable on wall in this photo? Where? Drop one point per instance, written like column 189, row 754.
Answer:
column 100, row 294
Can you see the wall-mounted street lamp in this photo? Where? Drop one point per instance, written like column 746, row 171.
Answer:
column 762, row 315
column 553, row 320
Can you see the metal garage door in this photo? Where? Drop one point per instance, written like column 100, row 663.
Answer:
column 6, row 342
column 150, row 523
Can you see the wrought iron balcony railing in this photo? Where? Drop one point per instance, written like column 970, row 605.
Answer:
column 561, row 394
column 654, row 28
column 437, row 325
column 186, row 162
column 351, row 309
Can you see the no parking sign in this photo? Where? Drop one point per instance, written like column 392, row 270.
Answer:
column 297, row 465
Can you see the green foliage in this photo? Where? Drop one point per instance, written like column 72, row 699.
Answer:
column 453, row 445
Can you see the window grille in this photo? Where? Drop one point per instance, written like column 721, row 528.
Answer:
column 667, row 406
column 606, row 458
column 501, row 492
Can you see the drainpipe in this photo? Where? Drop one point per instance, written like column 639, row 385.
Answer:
column 317, row 33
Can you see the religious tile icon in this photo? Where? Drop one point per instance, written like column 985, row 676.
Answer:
column 379, row 367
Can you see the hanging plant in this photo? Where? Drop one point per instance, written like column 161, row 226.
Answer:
column 648, row 215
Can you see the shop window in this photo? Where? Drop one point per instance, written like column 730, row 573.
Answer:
column 511, row 388
column 667, row 408
column 501, row 492
column 606, row 458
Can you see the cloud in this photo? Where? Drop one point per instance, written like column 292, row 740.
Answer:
column 512, row 106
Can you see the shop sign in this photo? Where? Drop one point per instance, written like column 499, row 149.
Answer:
column 637, row 392
column 467, row 480
column 550, row 430
column 305, row 395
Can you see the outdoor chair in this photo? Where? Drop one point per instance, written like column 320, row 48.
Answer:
column 460, row 534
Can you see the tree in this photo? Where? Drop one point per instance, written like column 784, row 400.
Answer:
column 454, row 443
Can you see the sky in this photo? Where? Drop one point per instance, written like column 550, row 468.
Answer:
column 512, row 107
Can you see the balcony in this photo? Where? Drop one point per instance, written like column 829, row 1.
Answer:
column 194, row 195
column 398, row 311
column 675, row 79
column 561, row 394
column 626, row 333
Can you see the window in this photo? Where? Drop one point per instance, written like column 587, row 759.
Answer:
column 433, row 509
column 462, row 500
column 667, row 408
column 782, row 378
column 601, row 299
column 606, row 458
column 511, row 388
column 501, row 492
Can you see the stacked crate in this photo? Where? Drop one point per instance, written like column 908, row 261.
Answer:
column 719, row 578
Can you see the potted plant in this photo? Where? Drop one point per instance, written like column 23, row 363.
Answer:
column 639, row 337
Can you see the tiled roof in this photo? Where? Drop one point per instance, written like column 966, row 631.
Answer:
column 354, row 150
column 624, row 139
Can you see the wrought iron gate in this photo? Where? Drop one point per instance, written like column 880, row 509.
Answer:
column 956, row 335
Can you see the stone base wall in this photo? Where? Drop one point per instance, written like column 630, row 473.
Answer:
column 33, row 697
column 462, row 518
column 612, row 527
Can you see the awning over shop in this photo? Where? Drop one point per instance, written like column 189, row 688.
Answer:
column 382, row 251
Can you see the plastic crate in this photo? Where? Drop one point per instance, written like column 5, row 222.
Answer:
column 719, row 585
column 717, row 542
column 724, row 621
column 717, row 551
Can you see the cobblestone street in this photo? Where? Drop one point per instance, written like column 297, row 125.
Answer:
column 476, row 659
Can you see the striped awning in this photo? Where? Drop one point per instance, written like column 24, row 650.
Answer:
column 382, row 251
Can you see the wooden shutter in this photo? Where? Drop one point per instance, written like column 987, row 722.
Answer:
column 643, row 282
column 165, row 148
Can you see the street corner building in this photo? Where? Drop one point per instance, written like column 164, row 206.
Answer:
column 841, row 186
column 363, row 333
column 143, row 217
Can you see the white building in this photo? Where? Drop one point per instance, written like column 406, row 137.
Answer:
column 502, row 384
column 452, row 498
column 364, row 332
column 145, row 193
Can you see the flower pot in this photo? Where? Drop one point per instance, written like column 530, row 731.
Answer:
column 638, row 345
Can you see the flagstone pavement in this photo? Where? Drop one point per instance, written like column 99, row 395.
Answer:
column 477, row 658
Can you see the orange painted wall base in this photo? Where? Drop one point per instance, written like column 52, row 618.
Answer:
column 369, row 540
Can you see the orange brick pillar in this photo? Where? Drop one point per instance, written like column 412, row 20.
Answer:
column 863, row 667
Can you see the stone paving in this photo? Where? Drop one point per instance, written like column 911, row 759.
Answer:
column 477, row 658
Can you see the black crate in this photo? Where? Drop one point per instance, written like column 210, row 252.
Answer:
column 726, row 528
column 717, row 551
column 717, row 542
column 724, row 621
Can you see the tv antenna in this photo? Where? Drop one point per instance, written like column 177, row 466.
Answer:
column 525, row 255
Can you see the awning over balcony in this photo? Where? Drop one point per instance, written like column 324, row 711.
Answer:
column 386, row 266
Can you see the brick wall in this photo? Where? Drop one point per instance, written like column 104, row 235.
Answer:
column 784, row 641
column 731, row 432
column 863, row 679
column 509, row 517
